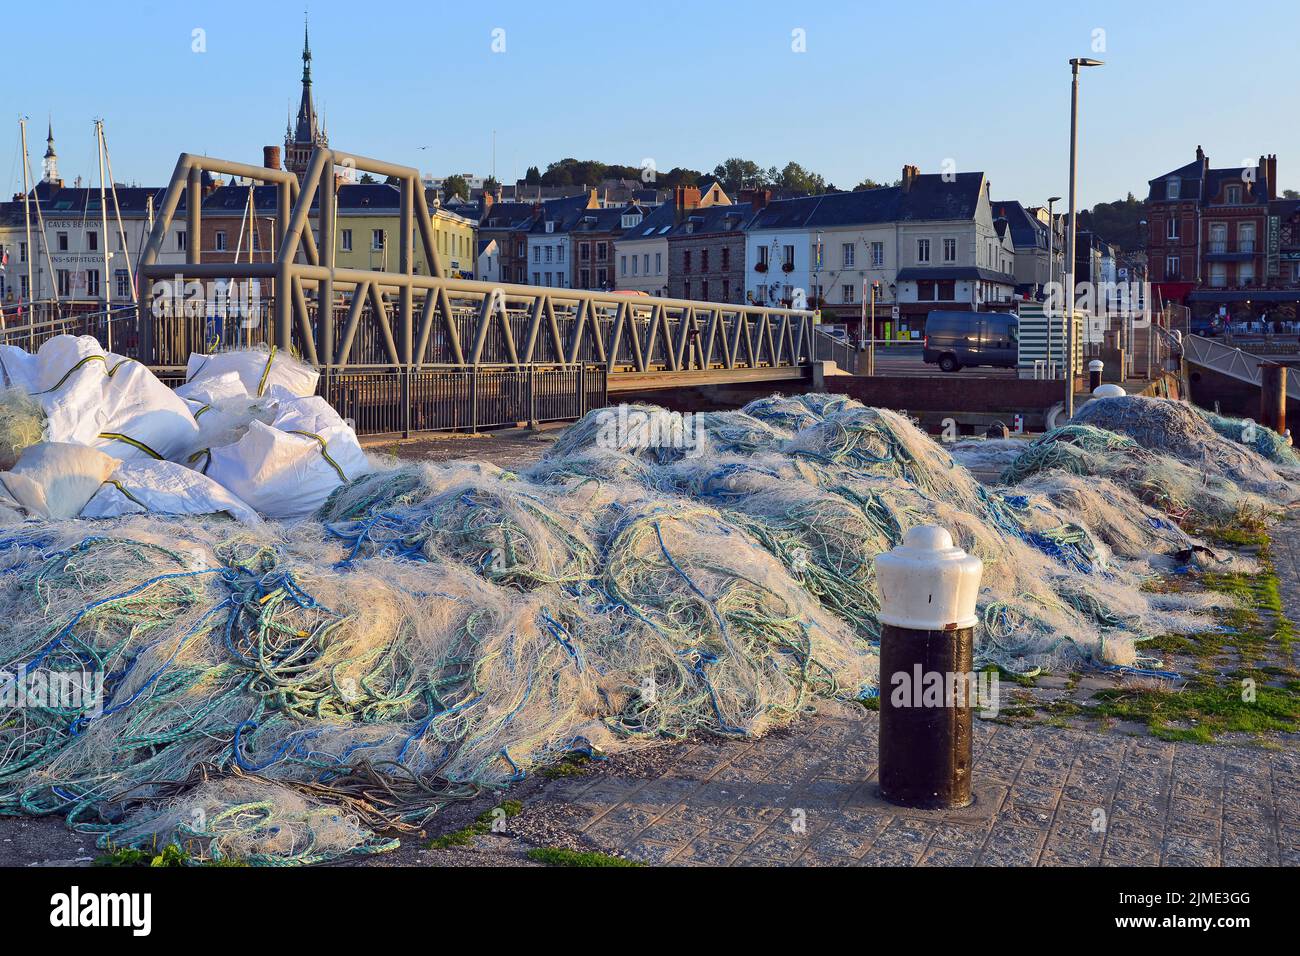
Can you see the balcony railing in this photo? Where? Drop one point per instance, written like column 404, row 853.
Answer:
column 1219, row 246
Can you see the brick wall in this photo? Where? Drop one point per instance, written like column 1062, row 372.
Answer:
column 715, row 246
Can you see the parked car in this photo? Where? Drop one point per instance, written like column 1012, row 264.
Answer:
column 956, row 340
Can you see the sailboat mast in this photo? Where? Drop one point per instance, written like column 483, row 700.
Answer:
column 103, row 222
column 27, row 217
column 117, row 211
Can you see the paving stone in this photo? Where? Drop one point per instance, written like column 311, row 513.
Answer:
column 737, row 831
column 645, row 851
column 1129, row 853
column 948, row 856
column 706, row 851
column 890, row 856
column 1040, row 793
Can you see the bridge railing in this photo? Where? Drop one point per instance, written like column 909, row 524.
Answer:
column 404, row 320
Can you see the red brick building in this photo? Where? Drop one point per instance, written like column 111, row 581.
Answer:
column 1217, row 241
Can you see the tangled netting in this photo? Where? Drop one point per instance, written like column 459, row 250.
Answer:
column 294, row 693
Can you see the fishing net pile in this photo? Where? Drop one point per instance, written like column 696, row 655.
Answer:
column 295, row 692
column 1165, row 454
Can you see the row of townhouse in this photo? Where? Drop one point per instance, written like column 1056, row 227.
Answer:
column 930, row 242
column 73, row 259
column 933, row 241
column 1221, row 241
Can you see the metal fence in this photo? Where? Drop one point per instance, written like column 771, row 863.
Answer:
column 381, row 401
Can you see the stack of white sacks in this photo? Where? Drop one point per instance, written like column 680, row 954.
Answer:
column 245, row 436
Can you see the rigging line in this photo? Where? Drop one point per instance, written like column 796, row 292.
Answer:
column 45, row 245
column 117, row 210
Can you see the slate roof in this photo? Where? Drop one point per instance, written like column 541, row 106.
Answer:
column 656, row 225
column 563, row 212
column 954, row 272
column 1026, row 230
column 1216, row 179
column 1191, row 183
column 713, row 219
column 930, row 198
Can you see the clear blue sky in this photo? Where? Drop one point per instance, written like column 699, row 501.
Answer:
column 682, row 83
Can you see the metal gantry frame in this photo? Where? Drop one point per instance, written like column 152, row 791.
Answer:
column 690, row 335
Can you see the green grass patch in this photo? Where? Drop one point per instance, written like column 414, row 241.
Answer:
column 481, row 825
column 1201, row 714
column 555, row 857
column 126, row 856
column 574, row 765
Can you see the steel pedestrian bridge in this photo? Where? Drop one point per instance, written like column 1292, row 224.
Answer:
column 400, row 351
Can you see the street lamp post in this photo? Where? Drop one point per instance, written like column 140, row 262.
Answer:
column 1051, row 273
column 1075, row 63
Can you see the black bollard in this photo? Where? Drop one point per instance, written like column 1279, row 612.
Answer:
column 928, row 590
column 1094, row 374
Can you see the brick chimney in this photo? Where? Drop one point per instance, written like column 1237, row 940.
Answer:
column 686, row 197
column 488, row 201
column 1271, row 165
column 757, row 198
column 909, row 177
column 1203, row 160
column 271, row 157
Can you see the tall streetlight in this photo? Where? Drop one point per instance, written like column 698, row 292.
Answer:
column 1051, row 272
column 1075, row 63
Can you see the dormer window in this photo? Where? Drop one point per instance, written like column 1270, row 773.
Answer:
column 631, row 219
column 1233, row 195
column 1173, row 188
column 550, row 226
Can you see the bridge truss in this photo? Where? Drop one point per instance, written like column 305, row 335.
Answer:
column 393, row 333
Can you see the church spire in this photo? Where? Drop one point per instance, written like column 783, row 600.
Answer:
column 306, row 134
column 306, row 54
column 50, row 164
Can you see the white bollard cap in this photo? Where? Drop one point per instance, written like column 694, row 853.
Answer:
column 926, row 584
column 1096, row 365
column 1109, row 390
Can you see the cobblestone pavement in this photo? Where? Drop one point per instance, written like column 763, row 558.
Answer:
column 1044, row 796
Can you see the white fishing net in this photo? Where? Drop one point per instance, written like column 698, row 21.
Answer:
column 291, row 693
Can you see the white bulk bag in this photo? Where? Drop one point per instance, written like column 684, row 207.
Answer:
column 96, row 398
column 282, row 475
column 213, row 388
column 18, row 368
column 128, row 412
column 167, row 488
column 56, row 480
column 258, row 369
column 288, row 468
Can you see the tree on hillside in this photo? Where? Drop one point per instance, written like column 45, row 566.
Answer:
column 1291, row 194
column 490, row 185
column 799, row 180
column 870, row 183
column 533, row 177
column 455, row 186
column 677, row 176
column 736, row 174
column 1118, row 223
column 574, row 172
